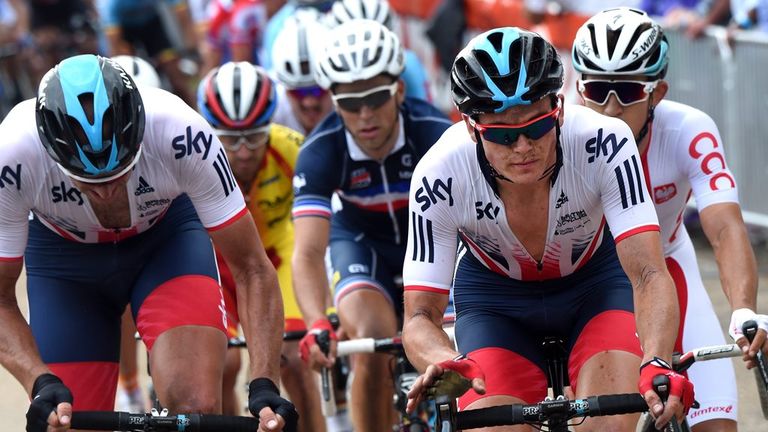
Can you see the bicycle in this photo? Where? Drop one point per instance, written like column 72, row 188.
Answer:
column 403, row 376
column 554, row 414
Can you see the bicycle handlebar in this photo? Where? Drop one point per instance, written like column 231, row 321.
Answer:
column 515, row 414
column 123, row 421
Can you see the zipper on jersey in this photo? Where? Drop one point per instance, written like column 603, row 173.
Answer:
column 390, row 207
column 539, row 266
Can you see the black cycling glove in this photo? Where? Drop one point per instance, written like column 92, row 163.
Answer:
column 262, row 392
column 47, row 393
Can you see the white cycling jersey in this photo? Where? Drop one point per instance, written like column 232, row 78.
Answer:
column 601, row 181
column 180, row 154
column 685, row 157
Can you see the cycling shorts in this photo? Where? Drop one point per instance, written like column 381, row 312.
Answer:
column 501, row 322
column 281, row 259
column 78, row 292
column 359, row 262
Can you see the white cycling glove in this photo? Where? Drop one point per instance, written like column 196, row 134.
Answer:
column 740, row 316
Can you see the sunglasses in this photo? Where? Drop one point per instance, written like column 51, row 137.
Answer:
column 373, row 98
column 232, row 140
column 627, row 92
column 507, row 134
column 305, row 92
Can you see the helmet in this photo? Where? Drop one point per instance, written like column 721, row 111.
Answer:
column 237, row 95
column 141, row 71
column 90, row 118
column 621, row 41
column 347, row 10
column 295, row 49
column 358, row 50
column 502, row 68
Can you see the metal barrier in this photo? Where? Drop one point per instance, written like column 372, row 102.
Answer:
column 722, row 80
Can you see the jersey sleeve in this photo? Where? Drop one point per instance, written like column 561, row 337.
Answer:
column 203, row 170
column 703, row 158
column 316, row 177
column 430, row 256
column 17, row 186
column 627, row 205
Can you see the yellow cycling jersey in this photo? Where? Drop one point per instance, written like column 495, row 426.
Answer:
column 271, row 195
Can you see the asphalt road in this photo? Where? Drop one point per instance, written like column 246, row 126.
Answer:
column 13, row 401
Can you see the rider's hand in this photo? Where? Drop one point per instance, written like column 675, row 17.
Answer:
column 452, row 378
column 309, row 349
column 274, row 412
column 51, row 405
column 681, row 396
column 738, row 318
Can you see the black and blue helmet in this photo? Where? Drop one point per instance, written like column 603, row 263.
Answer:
column 90, row 118
column 502, row 68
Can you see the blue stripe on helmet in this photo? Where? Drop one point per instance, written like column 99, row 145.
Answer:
column 78, row 75
column 501, row 60
column 657, row 67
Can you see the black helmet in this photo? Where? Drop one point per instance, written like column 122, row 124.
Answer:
column 90, row 118
column 504, row 67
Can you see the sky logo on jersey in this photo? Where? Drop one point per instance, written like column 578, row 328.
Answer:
column 599, row 146
column 489, row 211
column 664, row 193
column 63, row 194
column 562, row 199
column 143, row 188
column 429, row 194
column 360, row 178
column 185, row 144
column 10, row 177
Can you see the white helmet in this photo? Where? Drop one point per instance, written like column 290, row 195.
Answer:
column 296, row 47
column 621, row 41
column 358, row 50
column 141, row 71
column 347, row 10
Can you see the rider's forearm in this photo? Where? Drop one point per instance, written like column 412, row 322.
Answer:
column 18, row 351
column 260, row 306
column 737, row 266
column 425, row 341
column 657, row 313
column 310, row 285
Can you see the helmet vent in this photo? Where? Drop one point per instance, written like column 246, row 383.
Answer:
column 593, row 39
column 86, row 102
column 496, row 39
column 612, row 37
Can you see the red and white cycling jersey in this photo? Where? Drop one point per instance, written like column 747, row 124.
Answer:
column 601, row 181
column 684, row 156
column 236, row 22
column 180, row 154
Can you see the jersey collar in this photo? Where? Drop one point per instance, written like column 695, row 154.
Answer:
column 358, row 155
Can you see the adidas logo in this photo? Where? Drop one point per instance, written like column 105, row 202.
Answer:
column 144, row 187
column 561, row 200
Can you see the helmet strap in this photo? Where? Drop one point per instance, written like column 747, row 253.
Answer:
column 646, row 126
column 554, row 169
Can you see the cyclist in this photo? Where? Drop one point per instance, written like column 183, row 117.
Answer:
column 414, row 75
column 234, row 31
column 132, row 24
column 365, row 151
column 531, row 191
column 129, row 395
column 116, row 180
column 302, row 104
column 682, row 155
column 239, row 100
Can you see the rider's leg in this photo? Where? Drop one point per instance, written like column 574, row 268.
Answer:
column 230, row 403
column 178, row 307
column 299, row 382
column 713, row 380
column 369, row 313
column 129, row 397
